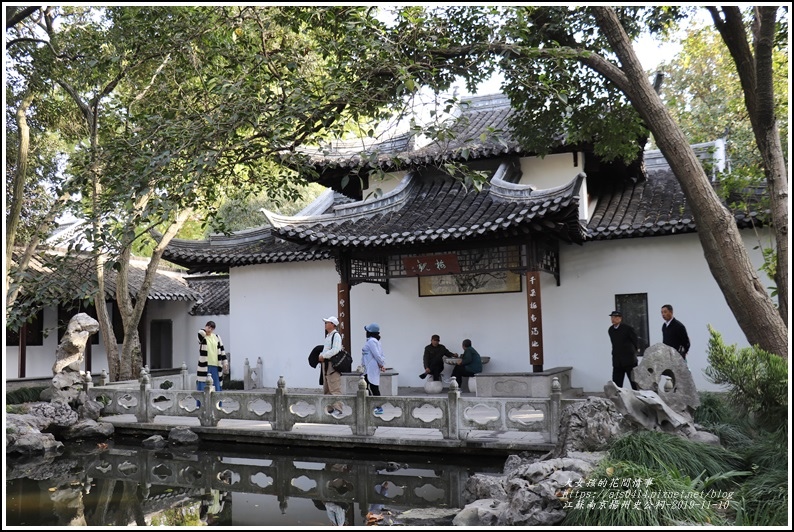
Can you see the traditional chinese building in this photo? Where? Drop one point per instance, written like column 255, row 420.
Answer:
column 528, row 267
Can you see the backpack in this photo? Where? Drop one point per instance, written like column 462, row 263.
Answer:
column 342, row 362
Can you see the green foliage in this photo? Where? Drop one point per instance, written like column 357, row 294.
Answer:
column 24, row 395
column 659, row 500
column 668, row 452
column 179, row 516
column 103, row 399
column 240, row 212
column 703, row 93
column 757, row 380
column 763, row 499
column 713, row 408
column 14, row 409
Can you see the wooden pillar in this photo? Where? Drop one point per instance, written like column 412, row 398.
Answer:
column 22, row 361
column 535, row 321
column 88, row 354
column 343, row 313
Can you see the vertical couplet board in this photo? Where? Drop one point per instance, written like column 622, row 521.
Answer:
column 343, row 312
column 535, row 319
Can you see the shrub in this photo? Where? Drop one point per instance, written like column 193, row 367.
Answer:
column 713, row 408
column 757, row 380
column 24, row 395
column 757, row 392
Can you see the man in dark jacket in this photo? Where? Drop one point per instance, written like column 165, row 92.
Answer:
column 673, row 332
column 624, row 349
column 469, row 364
column 433, row 358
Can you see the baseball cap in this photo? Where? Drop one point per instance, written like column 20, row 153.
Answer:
column 372, row 327
column 616, row 313
column 333, row 320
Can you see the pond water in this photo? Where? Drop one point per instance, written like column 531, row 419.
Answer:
column 235, row 485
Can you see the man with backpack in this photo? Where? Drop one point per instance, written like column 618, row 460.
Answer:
column 332, row 379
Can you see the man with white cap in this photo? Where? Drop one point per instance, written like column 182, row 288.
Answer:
column 332, row 379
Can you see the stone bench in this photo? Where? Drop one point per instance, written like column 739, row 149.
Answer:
column 388, row 383
column 528, row 384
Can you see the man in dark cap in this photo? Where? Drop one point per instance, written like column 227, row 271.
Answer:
column 624, row 349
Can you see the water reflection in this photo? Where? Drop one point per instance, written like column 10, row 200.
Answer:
column 120, row 485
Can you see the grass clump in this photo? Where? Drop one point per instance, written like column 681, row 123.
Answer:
column 626, row 494
column 762, row 500
column 662, row 451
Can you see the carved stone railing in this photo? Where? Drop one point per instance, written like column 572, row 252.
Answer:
column 454, row 417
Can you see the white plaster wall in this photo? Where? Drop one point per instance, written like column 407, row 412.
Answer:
column 671, row 270
column 551, row 171
column 41, row 358
column 277, row 312
column 181, row 327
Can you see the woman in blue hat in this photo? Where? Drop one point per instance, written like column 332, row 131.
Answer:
column 372, row 359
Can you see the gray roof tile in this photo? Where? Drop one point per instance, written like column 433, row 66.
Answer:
column 214, row 291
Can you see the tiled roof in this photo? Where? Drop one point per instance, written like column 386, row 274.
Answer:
column 480, row 130
column 77, row 270
column 167, row 285
column 214, row 290
column 434, row 210
column 426, row 210
column 255, row 246
column 652, row 207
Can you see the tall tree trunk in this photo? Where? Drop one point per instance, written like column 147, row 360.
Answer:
column 756, row 75
column 723, row 247
column 18, row 189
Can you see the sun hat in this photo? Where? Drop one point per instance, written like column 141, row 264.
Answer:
column 332, row 319
column 372, row 328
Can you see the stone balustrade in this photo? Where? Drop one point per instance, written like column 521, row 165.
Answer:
column 452, row 416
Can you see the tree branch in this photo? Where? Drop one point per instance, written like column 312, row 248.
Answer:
column 15, row 14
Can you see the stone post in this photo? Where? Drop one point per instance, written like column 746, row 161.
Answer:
column 260, row 378
column 280, row 405
column 362, row 410
column 103, row 378
column 143, row 415
column 554, row 409
column 207, row 413
column 185, row 378
column 453, row 416
column 246, row 375
column 87, row 382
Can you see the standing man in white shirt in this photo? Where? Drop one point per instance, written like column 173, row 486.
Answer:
column 332, row 379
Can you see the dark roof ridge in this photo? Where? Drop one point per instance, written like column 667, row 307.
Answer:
column 392, row 200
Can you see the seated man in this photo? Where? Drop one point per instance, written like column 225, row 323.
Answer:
column 469, row 364
column 433, row 358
